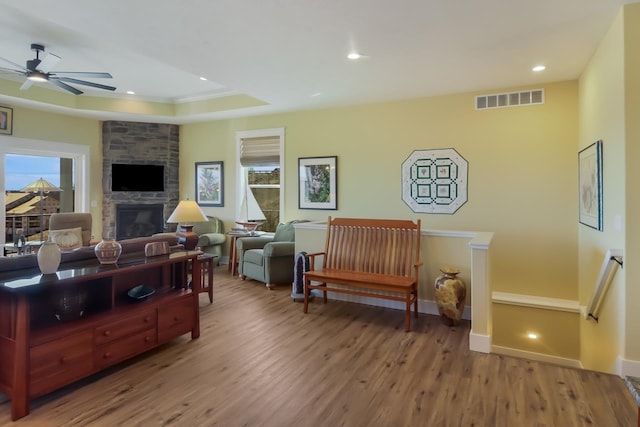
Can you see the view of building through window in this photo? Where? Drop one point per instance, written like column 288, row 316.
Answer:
column 25, row 209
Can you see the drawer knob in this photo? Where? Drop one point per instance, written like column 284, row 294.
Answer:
column 147, row 339
column 107, row 333
column 176, row 318
column 107, row 355
column 147, row 319
column 63, row 360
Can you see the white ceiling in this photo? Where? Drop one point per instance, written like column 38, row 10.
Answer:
column 283, row 52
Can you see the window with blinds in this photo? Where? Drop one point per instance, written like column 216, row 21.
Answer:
column 260, row 162
column 264, row 151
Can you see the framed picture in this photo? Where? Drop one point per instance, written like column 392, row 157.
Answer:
column 210, row 183
column 318, row 182
column 590, row 185
column 6, row 120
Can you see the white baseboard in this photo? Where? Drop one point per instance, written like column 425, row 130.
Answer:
column 424, row 306
column 626, row 367
column 479, row 343
column 563, row 361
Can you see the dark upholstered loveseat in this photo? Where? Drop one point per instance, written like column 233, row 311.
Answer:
column 86, row 252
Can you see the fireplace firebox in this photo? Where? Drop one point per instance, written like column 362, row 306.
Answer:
column 138, row 220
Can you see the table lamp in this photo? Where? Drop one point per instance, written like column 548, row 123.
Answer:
column 186, row 213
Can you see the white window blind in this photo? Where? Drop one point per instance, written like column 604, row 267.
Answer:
column 263, row 151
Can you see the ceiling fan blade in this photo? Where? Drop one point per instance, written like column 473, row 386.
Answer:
column 19, row 67
column 83, row 74
column 66, row 87
column 26, row 85
column 82, row 82
column 11, row 70
column 48, row 62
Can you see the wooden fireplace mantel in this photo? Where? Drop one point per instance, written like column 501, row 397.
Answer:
column 40, row 353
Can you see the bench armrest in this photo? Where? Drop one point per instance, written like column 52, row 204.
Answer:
column 312, row 259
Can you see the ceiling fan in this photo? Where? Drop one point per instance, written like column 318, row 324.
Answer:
column 38, row 70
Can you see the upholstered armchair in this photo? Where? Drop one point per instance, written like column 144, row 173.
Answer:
column 210, row 236
column 268, row 259
column 65, row 225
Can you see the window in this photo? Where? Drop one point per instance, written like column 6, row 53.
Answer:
column 72, row 168
column 260, row 176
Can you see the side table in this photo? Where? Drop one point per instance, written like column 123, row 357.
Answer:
column 205, row 263
column 233, row 256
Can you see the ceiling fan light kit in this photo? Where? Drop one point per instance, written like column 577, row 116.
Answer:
column 38, row 70
column 37, row 76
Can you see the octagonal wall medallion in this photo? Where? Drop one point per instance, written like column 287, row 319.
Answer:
column 435, row 181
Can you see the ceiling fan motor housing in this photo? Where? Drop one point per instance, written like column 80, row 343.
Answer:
column 32, row 64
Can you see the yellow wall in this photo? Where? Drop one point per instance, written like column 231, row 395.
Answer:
column 629, row 324
column 602, row 116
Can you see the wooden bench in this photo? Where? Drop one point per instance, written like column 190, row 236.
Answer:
column 377, row 258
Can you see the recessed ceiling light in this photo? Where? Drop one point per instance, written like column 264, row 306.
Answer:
column 204, row 79
column 316, row 94
column 354, row 55
column 532, row 336
column 130, row 92
column 539, row 68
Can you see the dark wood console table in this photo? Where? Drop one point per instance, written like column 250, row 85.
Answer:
column 40, row 353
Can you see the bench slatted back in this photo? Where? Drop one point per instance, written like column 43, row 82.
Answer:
column 382, row 246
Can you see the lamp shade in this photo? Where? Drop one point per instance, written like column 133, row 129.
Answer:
column 187, row 211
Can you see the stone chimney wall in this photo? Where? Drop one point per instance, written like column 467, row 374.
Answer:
column 139, row 143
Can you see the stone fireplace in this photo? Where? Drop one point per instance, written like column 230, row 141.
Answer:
column 138, row 143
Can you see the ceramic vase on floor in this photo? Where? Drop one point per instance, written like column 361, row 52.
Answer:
column 49, row 257
column 451, row 293
column 108, row 251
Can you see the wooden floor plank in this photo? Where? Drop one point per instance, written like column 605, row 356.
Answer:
column 261, row 362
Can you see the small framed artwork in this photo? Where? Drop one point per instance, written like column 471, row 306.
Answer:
column 590, row 185
column 6, row 120
column 318, row 182
column 210, row 183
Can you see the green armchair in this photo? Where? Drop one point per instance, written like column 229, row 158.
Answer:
column 268, row 259
column 211, row 236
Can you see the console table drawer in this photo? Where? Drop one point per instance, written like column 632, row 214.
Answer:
column 60, row 362
column 126, row 326
column 124, row 348
column 175, row 319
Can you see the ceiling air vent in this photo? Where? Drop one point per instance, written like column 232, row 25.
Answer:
column 511, row 99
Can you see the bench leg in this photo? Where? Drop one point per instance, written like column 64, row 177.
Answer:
column 407, row 314
column 306, row 295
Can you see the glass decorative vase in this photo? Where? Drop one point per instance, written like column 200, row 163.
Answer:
column 451, row 293
column 49, row 257
column 108, row 251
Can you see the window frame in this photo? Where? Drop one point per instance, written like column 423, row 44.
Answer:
column 241, row 171
column 32, row 147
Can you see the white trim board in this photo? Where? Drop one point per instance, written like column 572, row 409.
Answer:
column 545, row 303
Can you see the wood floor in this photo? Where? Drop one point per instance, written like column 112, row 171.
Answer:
column 261, row 362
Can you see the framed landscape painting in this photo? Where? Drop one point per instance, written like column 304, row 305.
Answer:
column 210, row 183
column 590, row 185
column 318, row 182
